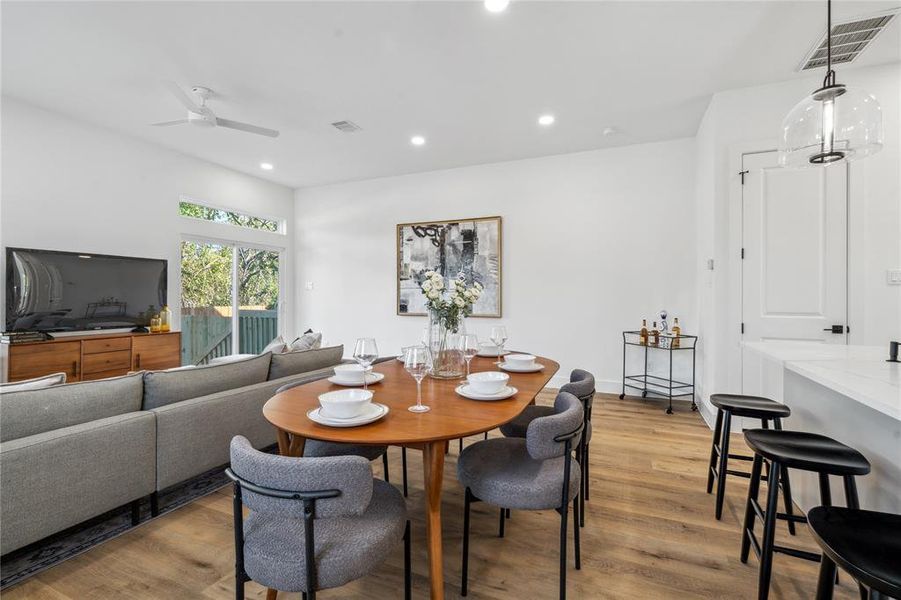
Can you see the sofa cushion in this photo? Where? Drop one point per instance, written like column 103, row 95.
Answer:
column 33, row 384
column 165, row 387
column 57, row 479
column 35, row 411
column 295, row 363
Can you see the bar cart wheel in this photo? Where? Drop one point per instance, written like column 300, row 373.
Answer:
column 669, row 410
column 644, row 394
column 621, row 396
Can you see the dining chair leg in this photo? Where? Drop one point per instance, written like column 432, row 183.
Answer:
column 583, row 484
column 500, row 532
column 303, row 596
column 577, row 512
column 385, row 466
column 465, row 569
column 403, row 460
column 587, row 477
column 408, row 579
column 460, row 449
column 486, row 435
column 564, row 517
column 508, row 513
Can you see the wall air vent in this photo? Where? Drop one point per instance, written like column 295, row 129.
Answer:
column 346, row 126
column 849, row 39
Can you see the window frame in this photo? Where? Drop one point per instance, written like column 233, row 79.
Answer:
column 234, row 245
column 280, row 221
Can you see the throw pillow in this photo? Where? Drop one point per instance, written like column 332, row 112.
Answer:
column 308, row 341
column 33, row 384
column 276, row 346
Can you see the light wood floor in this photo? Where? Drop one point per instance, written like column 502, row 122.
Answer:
column 650, row 533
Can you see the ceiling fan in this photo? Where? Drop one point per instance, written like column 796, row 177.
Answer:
column 202, row 116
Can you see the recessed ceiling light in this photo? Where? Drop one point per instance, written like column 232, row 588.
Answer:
column 417, row 140
column 546, row 120
column 266, row 166
column 610, row 131
column 496, row 6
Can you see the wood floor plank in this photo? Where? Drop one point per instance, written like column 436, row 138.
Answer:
column 650, row 533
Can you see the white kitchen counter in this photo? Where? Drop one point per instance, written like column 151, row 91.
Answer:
column 849, row 393
column 858, row 372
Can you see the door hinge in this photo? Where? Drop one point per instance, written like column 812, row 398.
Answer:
column 742, row 328
column 742, row 174
column 742, row 253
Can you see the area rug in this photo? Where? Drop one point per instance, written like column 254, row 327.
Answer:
column 21, row 564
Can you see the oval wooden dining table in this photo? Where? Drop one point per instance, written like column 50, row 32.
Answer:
column 451, row 417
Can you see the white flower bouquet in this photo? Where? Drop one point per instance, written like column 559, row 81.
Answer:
column 448, row 305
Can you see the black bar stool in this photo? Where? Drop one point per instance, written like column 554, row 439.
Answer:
column 796, row 450
column 753, row 407
column 864, row 543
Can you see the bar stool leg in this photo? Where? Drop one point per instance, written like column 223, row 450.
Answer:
column 826, row 579
column 717, row 428
column 769, row 533
column 786, row 486
column 724, row 463
column 750, row 516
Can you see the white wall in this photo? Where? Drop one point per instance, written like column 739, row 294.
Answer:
column 738, row 120
column 593, row 242
column 71, row 186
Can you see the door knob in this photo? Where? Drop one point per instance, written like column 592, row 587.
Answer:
column 837, row 329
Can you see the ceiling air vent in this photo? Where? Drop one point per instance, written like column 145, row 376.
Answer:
column 346, row 126
column 848, row 40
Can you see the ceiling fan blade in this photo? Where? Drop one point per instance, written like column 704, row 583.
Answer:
column 182, row 97
column 246, row 127
column 167, row 123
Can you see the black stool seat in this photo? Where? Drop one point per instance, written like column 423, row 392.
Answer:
column 807, row 451
column 755, row 407
column 864, row 543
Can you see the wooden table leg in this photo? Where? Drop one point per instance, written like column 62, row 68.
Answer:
column 433, row 467
column 288, row 444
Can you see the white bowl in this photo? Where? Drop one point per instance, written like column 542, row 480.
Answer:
column 488, row 382
column 520, row 361
column 487, row 348
column 344, row 404
column 349, row 373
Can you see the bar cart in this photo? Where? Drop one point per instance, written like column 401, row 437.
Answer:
column 660, row 387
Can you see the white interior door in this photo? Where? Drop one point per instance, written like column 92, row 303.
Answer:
column 795, row 240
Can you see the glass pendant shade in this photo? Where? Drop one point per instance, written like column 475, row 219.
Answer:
column 832, row 124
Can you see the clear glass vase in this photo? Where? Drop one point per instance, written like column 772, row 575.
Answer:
column 444, row 344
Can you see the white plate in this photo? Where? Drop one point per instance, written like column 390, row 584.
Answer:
column 374, row 412
column 370, row 379
column 487, row 354
column 466, row 391
column 533, row 369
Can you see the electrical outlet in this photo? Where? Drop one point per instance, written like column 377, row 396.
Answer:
column 309, row 286
column 893, row 277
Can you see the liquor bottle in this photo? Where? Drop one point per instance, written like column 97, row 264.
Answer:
column 677, row 331
column 643, row 334
column 155, row 324
column 165, row 318
column 655, row 335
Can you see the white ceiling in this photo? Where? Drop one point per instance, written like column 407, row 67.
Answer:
column 473, row 83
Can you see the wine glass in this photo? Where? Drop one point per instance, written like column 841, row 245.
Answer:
column 418, row 363
column 499, row 337
column 469, row 344
column 365, row 352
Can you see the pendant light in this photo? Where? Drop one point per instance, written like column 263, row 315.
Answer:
column 833, row 124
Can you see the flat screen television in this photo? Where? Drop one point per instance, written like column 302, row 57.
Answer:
column 70, row 291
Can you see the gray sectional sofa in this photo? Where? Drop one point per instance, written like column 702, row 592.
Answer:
column 71, row 452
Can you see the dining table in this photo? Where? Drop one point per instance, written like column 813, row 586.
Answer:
column 450, row 417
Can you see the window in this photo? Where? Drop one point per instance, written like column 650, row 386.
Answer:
column 207, row 213
column 229, row 299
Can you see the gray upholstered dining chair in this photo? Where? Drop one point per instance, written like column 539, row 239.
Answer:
column 534, row 473
column 314, row 523
column 320, row 449
column 581, row 385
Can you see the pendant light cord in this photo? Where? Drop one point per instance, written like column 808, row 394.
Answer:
column 830, row 74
